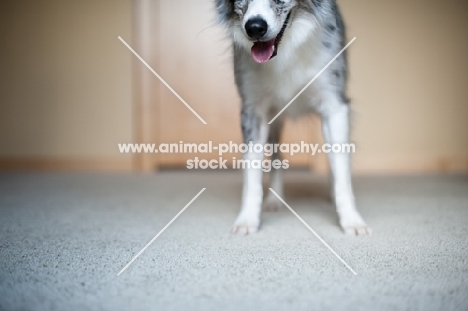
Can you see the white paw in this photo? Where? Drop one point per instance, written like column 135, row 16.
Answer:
column 357, row 230
column 246, row 224
column 272, row 204
column 353, row 224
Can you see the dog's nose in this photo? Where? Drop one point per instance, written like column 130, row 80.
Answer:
column 256, row 28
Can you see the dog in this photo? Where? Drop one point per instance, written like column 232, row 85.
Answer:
column 278, row 47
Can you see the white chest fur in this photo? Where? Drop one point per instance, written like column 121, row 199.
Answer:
column 275, row 83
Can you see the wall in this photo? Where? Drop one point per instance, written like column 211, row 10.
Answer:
column 409, row 78
column 65, row 81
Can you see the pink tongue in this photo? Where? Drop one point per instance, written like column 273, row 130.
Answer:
column 262, row 51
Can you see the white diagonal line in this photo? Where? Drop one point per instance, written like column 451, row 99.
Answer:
column 315, row 233
column 312, row 81
column 160, row 232
column 162, row 80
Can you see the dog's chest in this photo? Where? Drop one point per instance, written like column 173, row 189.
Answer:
column 277, row 83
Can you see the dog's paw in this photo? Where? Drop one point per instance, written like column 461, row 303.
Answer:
column 272, row 204
column 357, row 230
column 353, row 224
column 245, row 225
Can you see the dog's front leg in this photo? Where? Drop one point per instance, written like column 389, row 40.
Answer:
column 335, row 122
column 271, row 201
column 255, row 130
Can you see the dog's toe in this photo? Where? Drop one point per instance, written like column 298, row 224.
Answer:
column 244, row 230
column 245, row 225
column 352, row 223
column 357, row 230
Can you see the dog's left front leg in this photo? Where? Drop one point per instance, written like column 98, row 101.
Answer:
column 255, row 130
column 335, row 123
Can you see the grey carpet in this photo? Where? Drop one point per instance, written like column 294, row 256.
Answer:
column 64, row 238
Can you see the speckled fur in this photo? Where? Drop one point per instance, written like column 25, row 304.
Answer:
column 316, row 31
column 314, row 34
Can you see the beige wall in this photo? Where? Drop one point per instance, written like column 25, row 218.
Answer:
column 65, row 80
column 66, row 88
column 409, row 83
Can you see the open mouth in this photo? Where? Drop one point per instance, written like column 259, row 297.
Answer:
column 263, row 51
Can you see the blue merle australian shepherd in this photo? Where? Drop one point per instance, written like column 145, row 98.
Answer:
column 279, row 46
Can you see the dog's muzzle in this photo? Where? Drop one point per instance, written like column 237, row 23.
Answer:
column 263, row 51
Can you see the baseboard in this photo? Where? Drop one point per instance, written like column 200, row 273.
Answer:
column 364, row 165
column 412, row 164
column 361, row 165
column 119, row 164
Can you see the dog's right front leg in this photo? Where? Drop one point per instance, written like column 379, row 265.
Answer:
column 255, row 130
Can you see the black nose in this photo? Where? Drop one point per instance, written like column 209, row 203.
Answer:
column 256, row 28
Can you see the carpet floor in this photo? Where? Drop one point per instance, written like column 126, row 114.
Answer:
column 65, row 236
